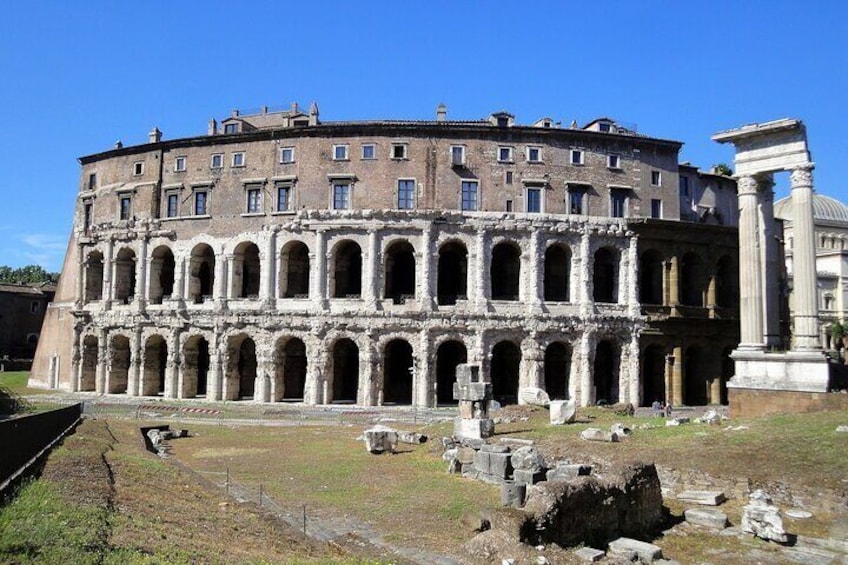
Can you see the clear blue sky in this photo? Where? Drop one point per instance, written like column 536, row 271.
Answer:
column 76, row 77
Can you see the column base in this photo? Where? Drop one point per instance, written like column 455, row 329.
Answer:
column 806, row 371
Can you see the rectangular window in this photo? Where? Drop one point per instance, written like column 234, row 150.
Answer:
column 287, row 155
column 200, row 203
column 217, row 161
column 238, row 159
column 87, row 217
column 341, row 196
column 92, row 181
column 399, row 150
column 126, row 203
column 340, row 152
column 173, row 200
column 656, row 178
column 575, row 202
column 656, row 208
column 618, row 203
column 34, row 307
column 406, row 194
column 469, row 195
column 284, row 194
column 138, row 168
column 508, row 177
column 254, row 200
column 369, row 151
column 576, row 157
column 604, row 127
column 684, row 186
column 457, row 156
column 613, row 161
column 534, row 200
column 534, row 154
column 230, row 128
column 180, row 164
column 505, row 154
column 509, row 205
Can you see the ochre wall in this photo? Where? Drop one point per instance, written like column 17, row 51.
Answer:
column 748, row 403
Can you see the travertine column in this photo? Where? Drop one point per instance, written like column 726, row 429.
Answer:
column 677, row 376
column 481, row 274
column 229, row 291
column 220, row 285
column 668, row 375
column 770, row 264
column 371, row 267
column 76, row 361
column 585, row 287
column 632, row 287
column 422, row 375
column 427, row 257
column 79, row 299
column 108, row 268
column 142, row 284
column 102, row 358
column 368, row 375
column 180, row 279
column 533, row 292
column 318, row 266
column 134, row 376
column 806, row 315
column 632, row 386
column 750, row 275
column 674, row 281
column 584, row 358
column 173, row 375
column 269, row 266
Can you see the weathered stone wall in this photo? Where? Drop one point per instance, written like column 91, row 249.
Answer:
column 748, row 403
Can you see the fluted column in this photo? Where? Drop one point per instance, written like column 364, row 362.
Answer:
column 770, row 264
column 750, row 275
column 806, row 315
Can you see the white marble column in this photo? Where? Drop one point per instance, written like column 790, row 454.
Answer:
column 806, row 315
column 750, row 275
column 770, row 263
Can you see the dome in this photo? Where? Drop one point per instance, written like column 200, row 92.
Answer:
column 825, row 209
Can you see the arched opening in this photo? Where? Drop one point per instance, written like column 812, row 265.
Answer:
column 557, row 273
column 397, row 373
column 557, row 370
column 241, row 367
column 653, row 375
column 727, row 283
column 162, row 268
column 506, row 360
column 94, row 276
column 400, row 272
column 88, row 376
column 201, row 280
column 345, row 371
column 246, row 269
column 347, row 270
column 155, row 366
column 125, row 276
column 691, row 280
column 505, row 271
column 294, row 271
column 606, row 373
column 728, row 369
column 452, row 283
column 696, row 386
column 195, row 368
column 605, row 276
column 119, row 364
column 651, row 278
column 448, row 356
column 290, row 377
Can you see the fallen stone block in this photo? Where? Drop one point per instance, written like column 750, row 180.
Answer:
column 500, row 465
column 676, row 421
column 465, row 454
column 596, row 434
column 621, row 430
column 473, row 443
column 589, row 554
column 473, row 428
column 628, row 547
column 516, row 442
column 710, row 417
column 528, row 458
column 450, row 454
column 379, row 439
column 706, row 517
column 411, row 437
column 562, row 412
column 512, row 494
column 494, row 448
column 565, row 472
column 842, row 429
column 762, row 518
column 528, row 477
column 533, row 396
column 798, row 514
column 702, row 497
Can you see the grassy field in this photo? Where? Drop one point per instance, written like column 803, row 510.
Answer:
column 16, row 382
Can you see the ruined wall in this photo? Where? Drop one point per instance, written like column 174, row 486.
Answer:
column 747, row 403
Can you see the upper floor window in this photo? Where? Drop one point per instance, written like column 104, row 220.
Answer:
column 126, row 207
column 656, row 178
column 508, row 205
column 457, row 153
column 575, row 202
column 340, row 152
column 576, row 157
column 399, row 150
column 230, row 128
column 604, row 127
column 92, row 181
column 238, row 159
column 684, row 186
column 534, row 199
column 618, row 203
column 87, row 211
column 287, row 155
column 254, row 199
column 172, row 205
column 341, row 195
column 508, row 177
column 656, row 208
column 369, row 151
column 470, row 190
column 534, row 154
column 613, row 161
column 505, row 154
column 217, row 161
column 406, row 194
column 284, row 197
column 180, row 164
column 138, row 168
column 200, row 202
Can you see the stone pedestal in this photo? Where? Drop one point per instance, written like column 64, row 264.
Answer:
column 474, row 398
column 790, row 371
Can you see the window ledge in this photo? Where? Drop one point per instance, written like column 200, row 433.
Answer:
column 252, row 214
column 284, row 213
column 196, row 217
column 535, row 162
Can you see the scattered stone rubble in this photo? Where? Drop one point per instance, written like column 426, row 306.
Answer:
column 156, row 438
column 563, row 412
column 380, row 439
column 762, row 518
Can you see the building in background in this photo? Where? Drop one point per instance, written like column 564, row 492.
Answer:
column 22, row 308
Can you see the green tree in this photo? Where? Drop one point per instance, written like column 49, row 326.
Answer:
column 31, row 274
column 723, row 169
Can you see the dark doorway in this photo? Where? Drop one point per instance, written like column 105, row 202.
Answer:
column 345, row 371
column 453, row 273
column 448, row 356
column 397, row 373
column 653, row 375
column 557, row 370
column 605, row 277
column 651, row 278
column 606, row 372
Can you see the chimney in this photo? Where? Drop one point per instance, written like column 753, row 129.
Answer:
column 441, row 113
column 118, row 144
column 313, row 114
column 235, row 113
column 213, row 127
column 294, row 109
column 155, row 136
column 573, row 124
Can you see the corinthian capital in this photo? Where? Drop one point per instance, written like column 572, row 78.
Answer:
column 802, row 176
column 747, row 185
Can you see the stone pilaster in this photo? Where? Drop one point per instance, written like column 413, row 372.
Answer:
column 632, row 288
column 173, row 374
column 750, row 257
column 220, row 284
column 585, row 267
column 76, row 361
column 423, row 376
column 230, row 291
column 673, row 282
column 79, row 299
column 134, row 373
column 629, row 378
column 101, row 374
column 366, row 393
column 806, row 314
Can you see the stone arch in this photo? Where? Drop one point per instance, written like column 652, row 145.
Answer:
column 241, row 367
column 727, row 282
column 399, row 271
column 449, row 354
column 605, row 373
column 346, row 269
column 94, row 276
column 397, row 372
column 605, row 275
column 344, row 371
column 290, row 362
column 505, row 271
column 452, row 278
column 557, row 370
column 696, row 381
column 124, row 282
column 692, row 280
column 651, row 278
column 155, row 366
column 201, row 273
column 558, row 273
column 119, row 364
column 195, row 366
column 504, row 368
column 294, row 270
column 653, row 374
column 162, row 268
column 246, row 271
column 90, row 358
